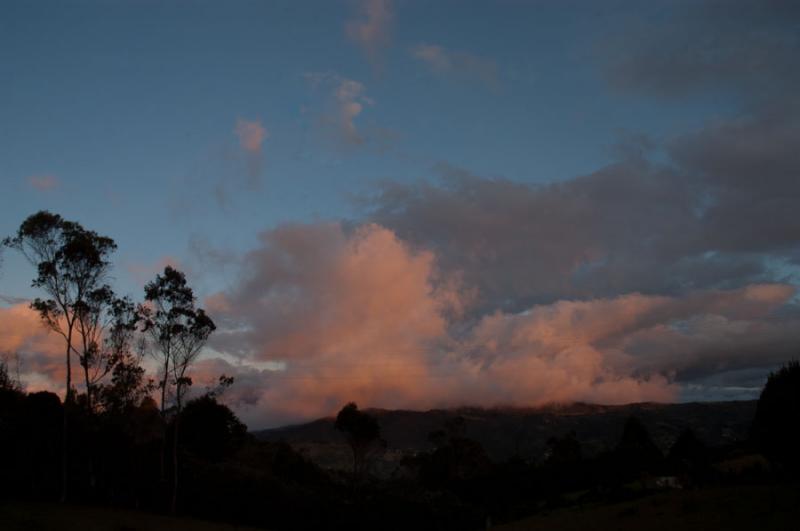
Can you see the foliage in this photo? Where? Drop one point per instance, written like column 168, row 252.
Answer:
column 362, row 432
column 776, row 427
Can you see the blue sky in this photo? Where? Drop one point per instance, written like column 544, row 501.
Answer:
column 123, row 115
column 127, row 104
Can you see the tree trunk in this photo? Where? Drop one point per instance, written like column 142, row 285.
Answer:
column 88, row 388
column 174, row 504
column 162, row 465
column 64, row 430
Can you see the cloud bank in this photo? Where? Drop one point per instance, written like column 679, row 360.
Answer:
column 359, row 314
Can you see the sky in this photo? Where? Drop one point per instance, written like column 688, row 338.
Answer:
column 423, row 204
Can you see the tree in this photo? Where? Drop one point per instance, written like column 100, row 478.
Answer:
column 128, row 386
column 71, row 263
column 776, row 426
column 105, row 326
column 362, row 432
column 169, row 305
column 9, row 381
column 210, row 430
column 178, row 331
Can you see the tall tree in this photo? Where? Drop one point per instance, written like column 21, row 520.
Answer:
column 178, row 330
column 169, row 305
column 71, row 263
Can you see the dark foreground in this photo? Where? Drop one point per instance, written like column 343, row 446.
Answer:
column 46, row 516
column 748, row 507
column 730, row 508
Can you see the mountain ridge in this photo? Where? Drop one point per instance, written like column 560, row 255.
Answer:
column 507, row 431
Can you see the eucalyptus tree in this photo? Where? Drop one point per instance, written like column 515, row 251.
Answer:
column 102, row 325
column 71, row 263
column 178, row 331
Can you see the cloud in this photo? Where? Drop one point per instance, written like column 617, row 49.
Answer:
column 346, row 99
column 142, row 273
column 224, row 172
column 718, row 212
column 251, row 138
column 371, row 29
column 463, row 65
column 43, row 183
column 251, row 135
column 743, row 47
column 40, row 351
column 359, row 314
column 314, row 290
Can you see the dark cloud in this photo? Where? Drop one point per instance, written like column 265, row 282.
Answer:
column 719, row 211
column 745, row 48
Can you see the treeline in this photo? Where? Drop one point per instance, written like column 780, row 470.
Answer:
column 227, row 475
column 109, row 421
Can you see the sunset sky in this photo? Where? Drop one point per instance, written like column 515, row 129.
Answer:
column 419, row 204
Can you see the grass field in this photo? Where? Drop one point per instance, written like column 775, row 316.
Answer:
column 44, row 517
column 731, row 509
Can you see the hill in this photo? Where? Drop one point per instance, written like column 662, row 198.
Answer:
column 506, row 432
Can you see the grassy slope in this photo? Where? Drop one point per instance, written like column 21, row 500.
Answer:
column 44, row 517
column 731, row 508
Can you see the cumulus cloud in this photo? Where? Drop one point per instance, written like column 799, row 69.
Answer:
column 371, row 28
column 463, row 65
column 361, row 315
column 43, row 183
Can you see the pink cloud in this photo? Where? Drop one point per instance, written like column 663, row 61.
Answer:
column 41, row 351
column 360, row 315
column 251, row 134
column 43, row 183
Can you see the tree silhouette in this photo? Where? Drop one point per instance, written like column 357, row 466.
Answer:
column 71, row 264
column 363, row 434
column 210, row 430
column 8, row 381
column 179, row 331
column 104, row 324
column 776, row 426
column 169, row 304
